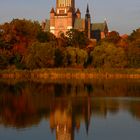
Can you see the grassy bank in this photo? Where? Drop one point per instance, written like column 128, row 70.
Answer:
column 70, row 73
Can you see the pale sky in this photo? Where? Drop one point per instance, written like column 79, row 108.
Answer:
column 122, row 15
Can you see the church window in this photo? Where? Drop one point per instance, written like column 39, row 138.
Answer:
column 61, row 11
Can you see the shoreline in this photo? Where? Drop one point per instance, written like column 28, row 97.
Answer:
column 71, row 73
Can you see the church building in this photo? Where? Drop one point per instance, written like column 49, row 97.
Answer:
column 65, row 17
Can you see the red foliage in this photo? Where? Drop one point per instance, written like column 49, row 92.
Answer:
column 19, row 48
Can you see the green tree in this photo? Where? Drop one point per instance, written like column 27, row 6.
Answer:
column 81, row 57
column 71, row 56
column 40, row 55
column 98, row 56
column 76, row 57
column 107, row 55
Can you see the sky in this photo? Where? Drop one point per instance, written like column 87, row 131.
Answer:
column 121, row 15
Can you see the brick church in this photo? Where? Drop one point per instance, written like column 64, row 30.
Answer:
column 65, row 17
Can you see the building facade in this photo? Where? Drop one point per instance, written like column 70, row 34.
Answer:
column 65, row 17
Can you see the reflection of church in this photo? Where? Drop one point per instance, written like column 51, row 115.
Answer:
column 64, row 120
column 66, row 17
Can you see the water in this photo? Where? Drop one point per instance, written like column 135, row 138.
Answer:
column 70, row 110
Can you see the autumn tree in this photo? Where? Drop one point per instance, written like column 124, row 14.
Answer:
column 133, row 50
column 20, row 31
column 17, row 36
column 113, row 37
column 5, row 58
column 76, row 38
column 46, row 37
column 62, row 41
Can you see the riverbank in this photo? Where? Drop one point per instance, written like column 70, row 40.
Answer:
column 70, row 73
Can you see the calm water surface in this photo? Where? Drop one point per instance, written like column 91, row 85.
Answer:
column 70, row 110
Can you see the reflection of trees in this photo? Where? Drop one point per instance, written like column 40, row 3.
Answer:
column 117, row 88
column 25, row 103
column 135, row 109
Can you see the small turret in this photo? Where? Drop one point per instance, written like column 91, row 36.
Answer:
column 78, row 13
column 52, row 20
column 52, row 12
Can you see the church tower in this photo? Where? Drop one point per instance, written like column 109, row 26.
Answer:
column 62, row 6
column 62, row 17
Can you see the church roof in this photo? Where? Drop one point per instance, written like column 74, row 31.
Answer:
column 98, row 26
column 78, row 24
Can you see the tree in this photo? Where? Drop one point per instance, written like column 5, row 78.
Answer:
column 71, row 56
column 76, row 38
column 81, row 57
column 107, row 55
column 60, row 57
column 98, row 55
column 5, row 57
column 17, row 36
column 18, row 31
column 133, row 50
column 135, row 35
column 62, row 41
column 40, row 55
column 46, row 37
column 113, row 37
column 133, row 56
column 76, row 57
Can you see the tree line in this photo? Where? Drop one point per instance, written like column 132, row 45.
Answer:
column 23, row 45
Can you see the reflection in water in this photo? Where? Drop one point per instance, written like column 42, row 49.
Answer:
column 66, row 116
column 66, row 105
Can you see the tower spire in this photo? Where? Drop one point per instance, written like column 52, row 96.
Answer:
column 87, row 22
column 87, row 11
